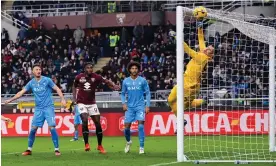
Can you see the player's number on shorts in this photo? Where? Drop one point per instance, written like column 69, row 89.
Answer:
column 142, row 114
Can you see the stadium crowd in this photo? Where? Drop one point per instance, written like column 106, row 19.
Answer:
column 239, row 62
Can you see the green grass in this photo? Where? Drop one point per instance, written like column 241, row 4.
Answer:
column 158, row 150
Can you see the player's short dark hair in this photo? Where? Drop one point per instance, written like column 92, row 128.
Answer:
column 88, row 63
column 37, row 65
column 130, row 64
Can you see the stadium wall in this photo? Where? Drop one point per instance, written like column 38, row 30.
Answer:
column 107, row 20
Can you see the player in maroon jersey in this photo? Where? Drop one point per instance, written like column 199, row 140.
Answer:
column 86, row 83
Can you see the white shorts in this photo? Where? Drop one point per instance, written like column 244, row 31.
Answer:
column 91, row 109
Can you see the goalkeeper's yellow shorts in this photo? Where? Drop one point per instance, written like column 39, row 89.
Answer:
column 190, row 101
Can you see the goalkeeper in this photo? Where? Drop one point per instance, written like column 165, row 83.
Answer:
column 192, row 75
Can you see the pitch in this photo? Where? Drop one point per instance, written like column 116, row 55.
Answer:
column 159, row 151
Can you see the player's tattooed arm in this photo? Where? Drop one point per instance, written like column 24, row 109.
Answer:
column 74, row 89
column 59, row 92
column 17, row 96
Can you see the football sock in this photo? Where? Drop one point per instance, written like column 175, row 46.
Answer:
column 31, row 138
column 141, row 135
column 54, row 137
column 99, row 134
column 127, row 134
column 76, row 134
column 85, row 133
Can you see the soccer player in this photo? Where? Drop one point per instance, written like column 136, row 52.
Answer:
column 74, row 110
column 44, row 106
column 192, row 75
column 135, row 109
column 86, row 83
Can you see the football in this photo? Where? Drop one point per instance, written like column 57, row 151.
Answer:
column 200, row 12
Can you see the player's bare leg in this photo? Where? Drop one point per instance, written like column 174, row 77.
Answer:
column 85, row 131
column 31, row 140
column 99, row 132
column 127, row 136
column 55, row 139
column 141, row 136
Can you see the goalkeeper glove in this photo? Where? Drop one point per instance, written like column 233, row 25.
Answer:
column 199, row 24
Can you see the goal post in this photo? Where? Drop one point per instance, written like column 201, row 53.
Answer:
column 180, row 83
column 272, row 124
column 238, row 141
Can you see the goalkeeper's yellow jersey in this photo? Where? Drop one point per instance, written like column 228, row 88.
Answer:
column 197, row 64
column 194, row 69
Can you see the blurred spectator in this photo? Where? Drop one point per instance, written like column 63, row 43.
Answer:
column 54, row 32
column 67, row 33
column 100, row 44
column 114, row 40
column 78, row 34
column 33, row 24
column 4, row 37
column 22, row 33
column 124, row 36
column 138, row 32
column 149, row 34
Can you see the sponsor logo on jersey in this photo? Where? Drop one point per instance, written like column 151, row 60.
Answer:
column 39, row 89
column 134, row 88
column 87, row 86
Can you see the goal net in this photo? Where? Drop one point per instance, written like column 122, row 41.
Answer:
column 237, row 121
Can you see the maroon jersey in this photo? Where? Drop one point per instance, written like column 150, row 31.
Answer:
column 86, row 86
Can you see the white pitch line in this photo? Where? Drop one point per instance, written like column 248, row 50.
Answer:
column 37, row 152
column 164, row 164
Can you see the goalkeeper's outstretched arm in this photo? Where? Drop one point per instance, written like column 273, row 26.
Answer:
column 192, row 53
column 187, row 49
column 198, row 57
column 201, row 41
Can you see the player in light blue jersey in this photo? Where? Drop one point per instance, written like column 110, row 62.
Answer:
column 44, row 106
column 74, row 110
column 135, row 108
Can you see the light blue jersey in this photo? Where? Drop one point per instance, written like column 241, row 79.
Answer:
column 77, row 118
column 42, row 91
column 44, row 105
column 135, row 90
